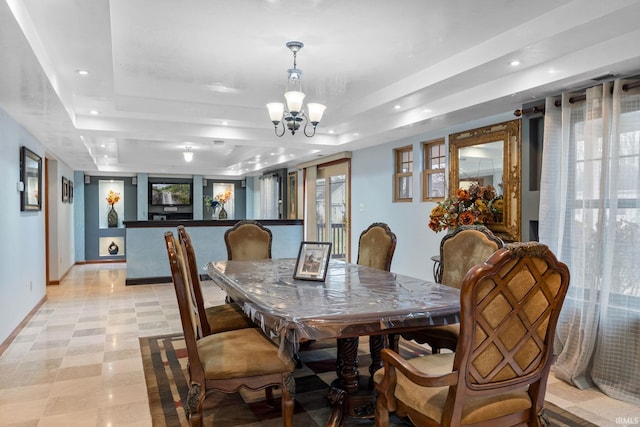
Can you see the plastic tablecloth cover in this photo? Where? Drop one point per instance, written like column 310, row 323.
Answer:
column 354, row 300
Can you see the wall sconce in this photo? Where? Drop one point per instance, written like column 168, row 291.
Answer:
column 188, row 155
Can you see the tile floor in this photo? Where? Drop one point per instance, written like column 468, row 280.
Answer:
column 77, row 362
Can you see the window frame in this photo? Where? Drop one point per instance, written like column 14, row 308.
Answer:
column 427, row 172
column 398, row 176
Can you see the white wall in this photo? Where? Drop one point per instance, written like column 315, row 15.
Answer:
column 61, row 221
column 22, row 248
column 372, row 201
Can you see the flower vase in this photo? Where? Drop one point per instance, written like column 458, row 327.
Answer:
column 223, row 213
column 112, row 218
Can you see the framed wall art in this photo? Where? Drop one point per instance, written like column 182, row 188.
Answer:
column 292, row 195
column 313, row 261
column 65, row 190
column 31, row 179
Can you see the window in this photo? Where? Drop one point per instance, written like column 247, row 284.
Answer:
column 433, row 174
column 403, row 177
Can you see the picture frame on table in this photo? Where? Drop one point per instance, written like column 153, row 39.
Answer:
column 30, row 180
column 313, row 261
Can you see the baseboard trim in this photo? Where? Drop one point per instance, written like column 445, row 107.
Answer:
column 5, row 345
column 148, row 280
column 101, row 261
column 153, row 280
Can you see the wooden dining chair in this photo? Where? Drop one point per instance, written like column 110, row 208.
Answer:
column 248, row 240
column 460, row 250
column 376, row 247
column 226, row 361
column 217, row 318
column 497, row 376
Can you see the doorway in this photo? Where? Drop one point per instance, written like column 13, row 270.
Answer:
column 329, row 202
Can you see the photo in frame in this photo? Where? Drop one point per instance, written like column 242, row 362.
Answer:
column 70, row 192
column 313, row 261
column 31, row 179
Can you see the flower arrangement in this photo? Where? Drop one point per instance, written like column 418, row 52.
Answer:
column 211, row 203
column 113, row 198
column 223, row 197
column 477, row 205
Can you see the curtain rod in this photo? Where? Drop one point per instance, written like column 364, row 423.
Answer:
column 573, row 99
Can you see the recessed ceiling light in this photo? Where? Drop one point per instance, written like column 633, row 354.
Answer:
column 514, row 63
column 332, row 131
column 103, row 145
column 82, row 72
column 94, row 112
column 105, row 156
column 426, row 110
column 396, row 107
column 224, row 123
column 356, row 134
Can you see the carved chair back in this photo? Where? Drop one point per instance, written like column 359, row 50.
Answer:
column 376, row 246
column 248, row 240
column 465, row 247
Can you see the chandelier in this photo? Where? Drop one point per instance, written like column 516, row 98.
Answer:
column 293, row 115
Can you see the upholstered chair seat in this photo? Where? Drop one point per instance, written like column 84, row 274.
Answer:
column 431, row 400
column 509, row 308
column 226, row 317
column 240, row 353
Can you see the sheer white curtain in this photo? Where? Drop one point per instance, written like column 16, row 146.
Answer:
column 590, row 217
column 269, row 197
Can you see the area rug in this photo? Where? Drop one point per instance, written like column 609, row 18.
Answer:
column 165, row 361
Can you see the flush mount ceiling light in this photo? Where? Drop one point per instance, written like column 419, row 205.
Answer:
column 188, row 155
column 293, row 113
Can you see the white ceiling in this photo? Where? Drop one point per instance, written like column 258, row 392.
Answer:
column 164, row 74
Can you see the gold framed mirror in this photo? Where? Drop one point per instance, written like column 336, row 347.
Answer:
column 485, row 156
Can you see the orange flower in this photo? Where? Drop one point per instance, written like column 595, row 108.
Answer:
column 467, row 218
column 223, row 197
column 477, row 205
column 113, row 197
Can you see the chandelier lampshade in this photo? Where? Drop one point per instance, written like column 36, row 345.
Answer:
column 292, row 115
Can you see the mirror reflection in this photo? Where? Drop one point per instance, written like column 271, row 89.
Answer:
column 481, row 165
column 488, row 158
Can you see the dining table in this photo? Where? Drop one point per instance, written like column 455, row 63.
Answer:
column 352, row 301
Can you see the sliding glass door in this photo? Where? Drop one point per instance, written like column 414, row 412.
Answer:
column 331, row 201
